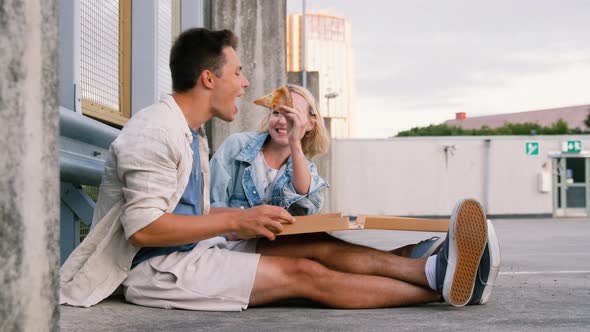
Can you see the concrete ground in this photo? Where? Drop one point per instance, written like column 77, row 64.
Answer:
column 544, row 284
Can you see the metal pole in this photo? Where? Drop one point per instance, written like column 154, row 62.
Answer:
column 554, row 185
column 303, row 41
column 486, row 175
column 587, row 187
column 563, row 187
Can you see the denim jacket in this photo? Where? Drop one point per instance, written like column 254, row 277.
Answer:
column 233, row 183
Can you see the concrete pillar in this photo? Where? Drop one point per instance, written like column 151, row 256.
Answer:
column 29, row 166
column 261, row 27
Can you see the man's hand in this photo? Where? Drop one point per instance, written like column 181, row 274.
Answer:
column 264, row 220
column 173, row 229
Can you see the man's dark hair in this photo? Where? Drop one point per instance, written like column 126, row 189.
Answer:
column 196, row 50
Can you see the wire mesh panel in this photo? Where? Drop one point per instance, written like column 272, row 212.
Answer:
column 99, row 47
column 84, row 229
column 165, row 30
column 92, row 191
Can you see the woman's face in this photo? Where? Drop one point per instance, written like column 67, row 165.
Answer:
column 277, row 124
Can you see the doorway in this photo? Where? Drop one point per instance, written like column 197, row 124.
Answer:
column 571, row 186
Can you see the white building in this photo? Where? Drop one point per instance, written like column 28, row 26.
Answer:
column 527, row 176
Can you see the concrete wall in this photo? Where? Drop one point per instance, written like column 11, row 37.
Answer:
column 260, row 25
column 29, row 173
column 416, row 177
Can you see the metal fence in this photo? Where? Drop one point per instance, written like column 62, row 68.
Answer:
column 84, row 144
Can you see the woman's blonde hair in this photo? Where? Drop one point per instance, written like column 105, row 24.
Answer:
column 316, row 141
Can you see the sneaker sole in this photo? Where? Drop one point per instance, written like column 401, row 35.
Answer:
column 495, row 261
column 468, row 237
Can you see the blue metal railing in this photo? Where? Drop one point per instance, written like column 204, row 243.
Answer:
column 84, row 143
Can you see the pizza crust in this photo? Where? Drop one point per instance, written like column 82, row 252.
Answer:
column 275, row 99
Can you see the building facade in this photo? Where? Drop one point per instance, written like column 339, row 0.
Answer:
column 328, row 51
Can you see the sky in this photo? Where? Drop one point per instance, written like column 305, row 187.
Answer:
column 419, row 62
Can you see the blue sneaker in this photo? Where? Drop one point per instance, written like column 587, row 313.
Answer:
column 427, row 247
column 458, row 259
column 488, row 268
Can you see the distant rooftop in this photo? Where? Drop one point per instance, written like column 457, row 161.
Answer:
column 574, row 116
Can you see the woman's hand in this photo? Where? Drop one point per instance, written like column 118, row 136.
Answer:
column 297, row 123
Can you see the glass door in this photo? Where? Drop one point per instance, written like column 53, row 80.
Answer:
column 571, row 194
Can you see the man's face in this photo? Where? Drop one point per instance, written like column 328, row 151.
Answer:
column 230, row 85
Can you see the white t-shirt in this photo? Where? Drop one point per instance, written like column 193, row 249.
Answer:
column 265, row 176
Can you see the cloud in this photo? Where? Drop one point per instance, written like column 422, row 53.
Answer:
column 448, row 72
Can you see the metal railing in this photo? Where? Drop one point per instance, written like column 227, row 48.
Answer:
column 84, row 143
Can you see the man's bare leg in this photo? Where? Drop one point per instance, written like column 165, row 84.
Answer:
column 453, row 276
column 346, row 257
column 279, row 278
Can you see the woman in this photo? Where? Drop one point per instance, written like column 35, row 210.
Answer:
column 272, row 166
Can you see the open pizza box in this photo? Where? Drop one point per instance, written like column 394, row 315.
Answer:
column 336, row 222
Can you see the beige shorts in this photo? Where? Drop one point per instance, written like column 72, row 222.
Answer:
column 216, row 275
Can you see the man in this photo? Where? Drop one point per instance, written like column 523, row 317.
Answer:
column 153, row 231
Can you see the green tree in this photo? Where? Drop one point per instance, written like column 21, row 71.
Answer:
column 559, row 127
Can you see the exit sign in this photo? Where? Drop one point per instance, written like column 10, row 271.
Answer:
column 532, row 148
column 571, row 146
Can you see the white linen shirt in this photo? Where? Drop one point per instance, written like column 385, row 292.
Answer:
column 146, row 172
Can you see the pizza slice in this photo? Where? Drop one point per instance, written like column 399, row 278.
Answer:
column 275, row 99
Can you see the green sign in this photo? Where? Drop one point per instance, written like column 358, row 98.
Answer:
column 574, row 146
column 532, row 148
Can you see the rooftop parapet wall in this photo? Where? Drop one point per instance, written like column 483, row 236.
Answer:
column 426, row 176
